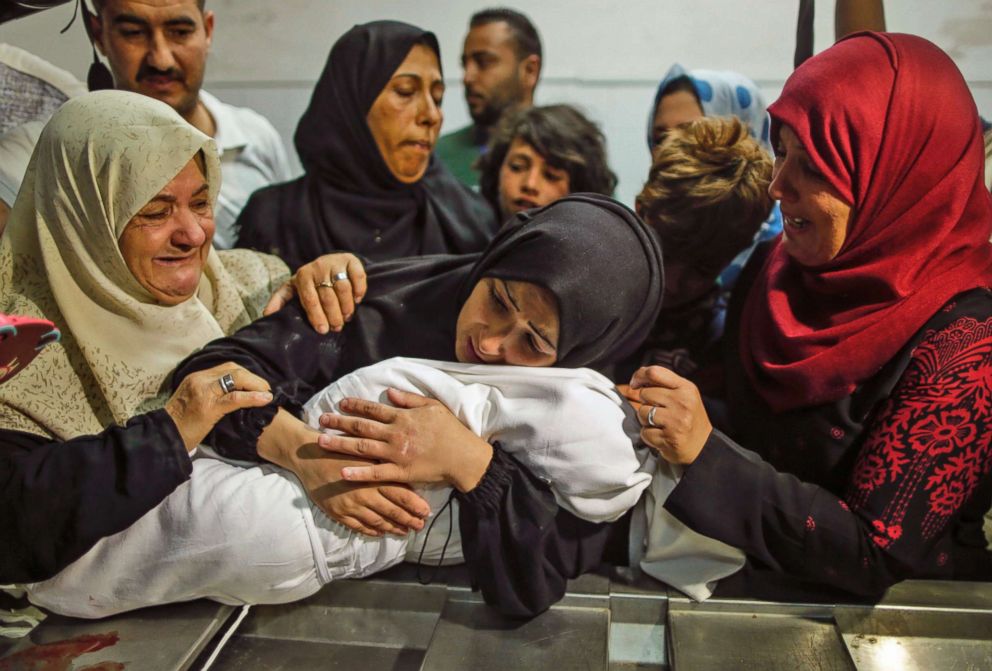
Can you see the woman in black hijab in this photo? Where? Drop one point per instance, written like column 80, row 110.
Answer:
column 372, row 186
column 602, row 309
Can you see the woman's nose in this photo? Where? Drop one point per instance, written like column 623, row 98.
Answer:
column 190, row 231
column 491, row 344
column 430, row 112
column 780, row 187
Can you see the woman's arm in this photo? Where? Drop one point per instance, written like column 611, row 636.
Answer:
column 926, row 452
column 297, row 361
column 284, row 350
column 520, row 546
column 58, row 498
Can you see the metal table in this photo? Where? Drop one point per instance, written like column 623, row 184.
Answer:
column 617, row 621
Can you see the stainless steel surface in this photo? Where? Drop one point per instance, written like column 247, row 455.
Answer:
column 637, row 632
column 369, row 624
column 732, row 636
column 470, row 635
column 615, row 621
column 167, row 638
column 884, row 639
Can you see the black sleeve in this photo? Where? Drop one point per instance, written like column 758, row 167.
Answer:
column 283, row 349
column 57, row 499
column 926, row 453
column 520, row 547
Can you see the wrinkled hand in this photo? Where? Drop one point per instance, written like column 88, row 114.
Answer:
column 199, row 402
column 329, row 306
column 681, row 425
column 419, row 440
column 373, row 510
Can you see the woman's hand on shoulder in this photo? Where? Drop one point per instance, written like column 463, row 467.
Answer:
column 202, row 399
column 670, row 409
column 329, row 288
column 419, row 440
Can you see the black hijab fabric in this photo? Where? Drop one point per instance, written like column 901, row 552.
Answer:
column 599, row 260
column 349, row 199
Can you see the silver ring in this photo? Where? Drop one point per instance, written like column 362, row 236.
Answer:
column 226, row 382
column 339, row 276
column 651, row 416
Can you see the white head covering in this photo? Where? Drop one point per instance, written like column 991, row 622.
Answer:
column 100, row 159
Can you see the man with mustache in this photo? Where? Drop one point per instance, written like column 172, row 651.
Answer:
column 159, row 48
column 501, row 64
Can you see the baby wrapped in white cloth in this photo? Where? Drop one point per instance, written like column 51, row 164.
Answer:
column 246, row 533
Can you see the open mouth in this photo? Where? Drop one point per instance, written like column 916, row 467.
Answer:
column 795, row 223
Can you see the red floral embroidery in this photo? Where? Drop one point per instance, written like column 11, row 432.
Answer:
column 810, row 524
column 929, row 446
column 942, row 559
column 944, row 433
column 844, row 505
column 836, row 433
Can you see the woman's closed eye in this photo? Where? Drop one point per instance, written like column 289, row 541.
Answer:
column 156, row 213
column 498, row 300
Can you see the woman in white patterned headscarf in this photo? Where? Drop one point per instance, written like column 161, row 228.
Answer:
column 110, row 239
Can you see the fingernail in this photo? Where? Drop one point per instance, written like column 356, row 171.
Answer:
column 346, row 473
column 347, row 317
column 265, row 395
column 322, row 329
column 324, row 440
column 345, row 404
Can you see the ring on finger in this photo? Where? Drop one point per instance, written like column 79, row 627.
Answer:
column 338, row 277
column 226, row 382
column 651, row 416
column 326, row 284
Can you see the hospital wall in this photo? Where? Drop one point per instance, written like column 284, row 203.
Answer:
column 605, row 57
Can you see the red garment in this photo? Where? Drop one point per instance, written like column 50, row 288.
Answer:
column 889, row 121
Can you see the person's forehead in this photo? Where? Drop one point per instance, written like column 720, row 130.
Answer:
column 494, row 36
column 521, row 146
column 153, row 9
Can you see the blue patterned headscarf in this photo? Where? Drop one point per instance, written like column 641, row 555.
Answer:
column 721, row 93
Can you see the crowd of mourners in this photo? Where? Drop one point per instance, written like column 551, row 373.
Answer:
column 770, row 375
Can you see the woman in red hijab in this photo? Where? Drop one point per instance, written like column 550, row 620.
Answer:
column 859, row 344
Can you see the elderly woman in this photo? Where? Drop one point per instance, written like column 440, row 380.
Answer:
column 110, row 241
column 539, row 155
column 860, row 343
column 366, row 142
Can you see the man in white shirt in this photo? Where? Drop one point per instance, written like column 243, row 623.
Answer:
column 159, row 48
